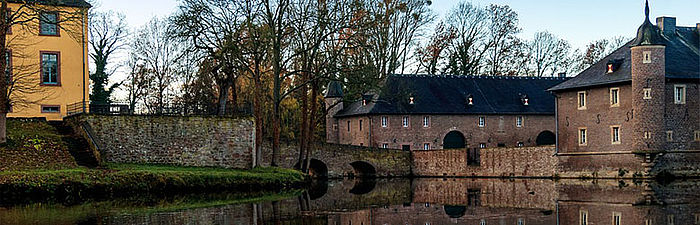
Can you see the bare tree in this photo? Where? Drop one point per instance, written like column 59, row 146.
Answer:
column 160, row 55
column 214, row 28
column 108, row 32
column 136, row 83
column 16, row 82
column 503, row 27
column 467, row 51
column 431, row 56
column 547, row 53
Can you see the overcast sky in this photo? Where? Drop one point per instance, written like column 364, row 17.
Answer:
column 578, row 21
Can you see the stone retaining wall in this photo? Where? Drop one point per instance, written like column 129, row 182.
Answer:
column 173, row 140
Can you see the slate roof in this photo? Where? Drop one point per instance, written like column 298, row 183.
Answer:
column 71, row 3
column 682, row 62
column 447, row 95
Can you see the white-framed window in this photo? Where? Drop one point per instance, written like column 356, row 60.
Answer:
column 521, row 144
column 647, row 135
column 385, row 145
column 426, row 146
column 583, row 217
column 426, row 121
column 649, row 222
column 615, row 134
column 669, row 135
column 646, row 93
column 582, row 136
column 519, row 121
column 646, row 57
column 335, row 125
column 616, row 218
column 521, row 221
column 614, row 97
column 404, row 121
column 671, row 219
column 482, row 145
column 697, row 218
column 385, row 121
column 482, row 121
column 696, row 135
column 581, row 100
column 483, row 222
column 679, row 93
column 360, row 125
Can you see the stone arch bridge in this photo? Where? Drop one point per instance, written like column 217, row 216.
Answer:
column 334, row 160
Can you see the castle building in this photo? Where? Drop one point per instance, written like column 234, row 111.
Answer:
column 48, row 62
column 640, row 100
column 420, row 112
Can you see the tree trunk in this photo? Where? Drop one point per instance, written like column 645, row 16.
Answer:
column 4, row 98
column 304, row 123
column 223, row 94
column 312, row 124
column 258, row 114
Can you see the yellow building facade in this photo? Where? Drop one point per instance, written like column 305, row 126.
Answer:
column 49, row 61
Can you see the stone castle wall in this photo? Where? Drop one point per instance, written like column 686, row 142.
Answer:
column 172, row 140
column 495, row 162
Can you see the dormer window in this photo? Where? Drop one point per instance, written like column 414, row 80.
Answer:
column 525, row 100
column 614, row 65
column 470, row 100
column 411, row 100
column 364, row 102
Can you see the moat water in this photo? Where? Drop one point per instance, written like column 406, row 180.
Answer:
column 398, row 201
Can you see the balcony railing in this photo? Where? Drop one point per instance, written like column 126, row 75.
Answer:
column 119, row 108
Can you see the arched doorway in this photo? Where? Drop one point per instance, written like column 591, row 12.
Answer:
column 363, row 169
column 454, row 211
column 546, row 138
column 453, row 140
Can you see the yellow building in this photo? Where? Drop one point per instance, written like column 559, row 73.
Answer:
column 49, row 62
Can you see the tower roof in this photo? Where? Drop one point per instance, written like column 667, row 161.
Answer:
column 334, row 90
column 648, row 34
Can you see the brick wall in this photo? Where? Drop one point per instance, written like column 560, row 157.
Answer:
column 174, row 140
column 495, row 162
column 416, row 135
column 597, row 118
column 683, row 119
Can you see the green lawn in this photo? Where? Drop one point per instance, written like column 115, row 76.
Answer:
column 130, row 179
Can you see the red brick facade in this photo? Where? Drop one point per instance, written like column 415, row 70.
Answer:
column 497, row 130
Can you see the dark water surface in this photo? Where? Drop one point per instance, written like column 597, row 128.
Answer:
column 399, row 201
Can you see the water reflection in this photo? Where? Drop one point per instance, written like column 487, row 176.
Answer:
column 400, row 201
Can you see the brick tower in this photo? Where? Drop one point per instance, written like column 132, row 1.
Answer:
column 334, row 103
column 648, row 87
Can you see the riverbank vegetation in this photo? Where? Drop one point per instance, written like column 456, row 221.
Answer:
column 120, row 180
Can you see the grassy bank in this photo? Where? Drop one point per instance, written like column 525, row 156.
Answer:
column 119, row 180
column 34, row 144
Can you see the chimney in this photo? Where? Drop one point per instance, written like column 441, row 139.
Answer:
column 667, row 25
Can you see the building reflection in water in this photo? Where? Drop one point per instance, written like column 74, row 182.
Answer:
column 417, row 202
